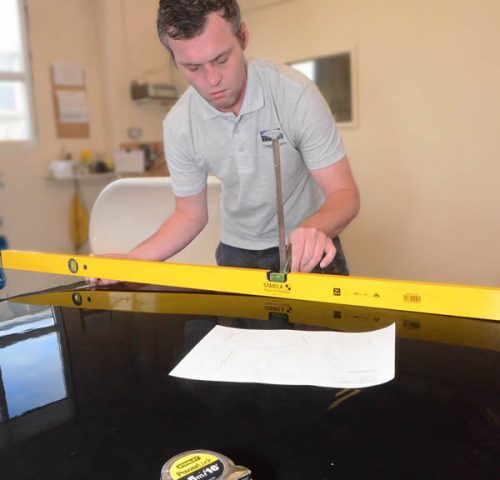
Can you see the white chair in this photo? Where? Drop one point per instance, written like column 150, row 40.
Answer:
column 129, row 210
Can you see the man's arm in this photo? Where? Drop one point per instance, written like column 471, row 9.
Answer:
column 187, row 220
column 312, row 240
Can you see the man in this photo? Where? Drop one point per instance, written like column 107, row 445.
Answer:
column 222, row 125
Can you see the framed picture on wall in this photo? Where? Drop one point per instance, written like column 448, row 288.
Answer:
column 335, row 76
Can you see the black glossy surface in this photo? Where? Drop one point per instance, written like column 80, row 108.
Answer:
column 114, row 412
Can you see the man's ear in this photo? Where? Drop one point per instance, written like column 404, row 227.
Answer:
column 243, row 36
column 172, row 57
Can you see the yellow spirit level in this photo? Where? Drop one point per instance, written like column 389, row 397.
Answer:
column 425, row 297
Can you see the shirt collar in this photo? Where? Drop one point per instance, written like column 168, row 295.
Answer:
column 252, row 101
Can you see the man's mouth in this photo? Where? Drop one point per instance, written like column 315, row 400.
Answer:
column 217, row 94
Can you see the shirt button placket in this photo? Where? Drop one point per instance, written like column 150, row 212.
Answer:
column 239, row 145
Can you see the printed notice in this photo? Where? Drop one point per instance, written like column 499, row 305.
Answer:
column 67, row 74
column 292, row 357
column 72, row 106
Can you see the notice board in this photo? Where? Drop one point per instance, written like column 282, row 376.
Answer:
column 70, row 100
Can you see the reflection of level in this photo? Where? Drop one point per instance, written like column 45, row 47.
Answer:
column 340, row 317
column 455, row 300
column 420, row 326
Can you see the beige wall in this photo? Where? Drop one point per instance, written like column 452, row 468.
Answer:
column 35, row 209
column 425, row 150
column 131, row 52
column 94, row 34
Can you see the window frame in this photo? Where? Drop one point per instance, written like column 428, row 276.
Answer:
column 24, row 76
column 351, row 53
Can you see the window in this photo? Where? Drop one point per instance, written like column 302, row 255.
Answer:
column 334, row 76
column 15, row 109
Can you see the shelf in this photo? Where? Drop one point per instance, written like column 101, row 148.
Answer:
column 86, row 176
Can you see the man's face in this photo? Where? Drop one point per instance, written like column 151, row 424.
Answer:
column 214, row 64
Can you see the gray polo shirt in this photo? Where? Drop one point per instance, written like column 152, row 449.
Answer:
column 200, row 140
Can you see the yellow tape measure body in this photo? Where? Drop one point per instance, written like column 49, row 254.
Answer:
column 203, row 464
column 438, row 298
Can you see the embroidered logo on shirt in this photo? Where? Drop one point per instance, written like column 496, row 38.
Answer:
column 267, row 137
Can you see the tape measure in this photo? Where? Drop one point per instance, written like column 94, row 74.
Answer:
column 203, row 465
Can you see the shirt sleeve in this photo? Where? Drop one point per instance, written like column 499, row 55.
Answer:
column 188, row 175
column 315, row 132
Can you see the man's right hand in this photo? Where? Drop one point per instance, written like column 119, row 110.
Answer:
column 94, row 282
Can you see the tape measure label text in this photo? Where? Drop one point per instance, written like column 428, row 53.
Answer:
column 196, row 467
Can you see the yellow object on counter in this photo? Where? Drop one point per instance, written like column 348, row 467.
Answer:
column 78, row 220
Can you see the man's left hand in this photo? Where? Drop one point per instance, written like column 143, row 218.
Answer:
column 310, row 247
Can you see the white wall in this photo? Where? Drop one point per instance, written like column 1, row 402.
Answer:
column 426, row 150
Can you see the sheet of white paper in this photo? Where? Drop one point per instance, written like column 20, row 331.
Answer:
column 72, row 106
column 68, row 74
column 292, row 357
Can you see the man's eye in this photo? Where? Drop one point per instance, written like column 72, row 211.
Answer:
column 193, row 68
column 221, row 61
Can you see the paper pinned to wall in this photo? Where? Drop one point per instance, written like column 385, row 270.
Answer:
column 292, row 357
column 72, row 106
column 66, row 74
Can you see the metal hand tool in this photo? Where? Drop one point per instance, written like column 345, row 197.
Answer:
column 285, row 252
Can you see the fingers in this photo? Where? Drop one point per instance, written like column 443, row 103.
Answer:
column 310, row 247
column 330, row 252
column 94, row 282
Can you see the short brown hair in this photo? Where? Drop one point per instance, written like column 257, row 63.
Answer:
column 181, row 19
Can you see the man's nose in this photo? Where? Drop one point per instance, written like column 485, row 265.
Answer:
column 212, row 75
